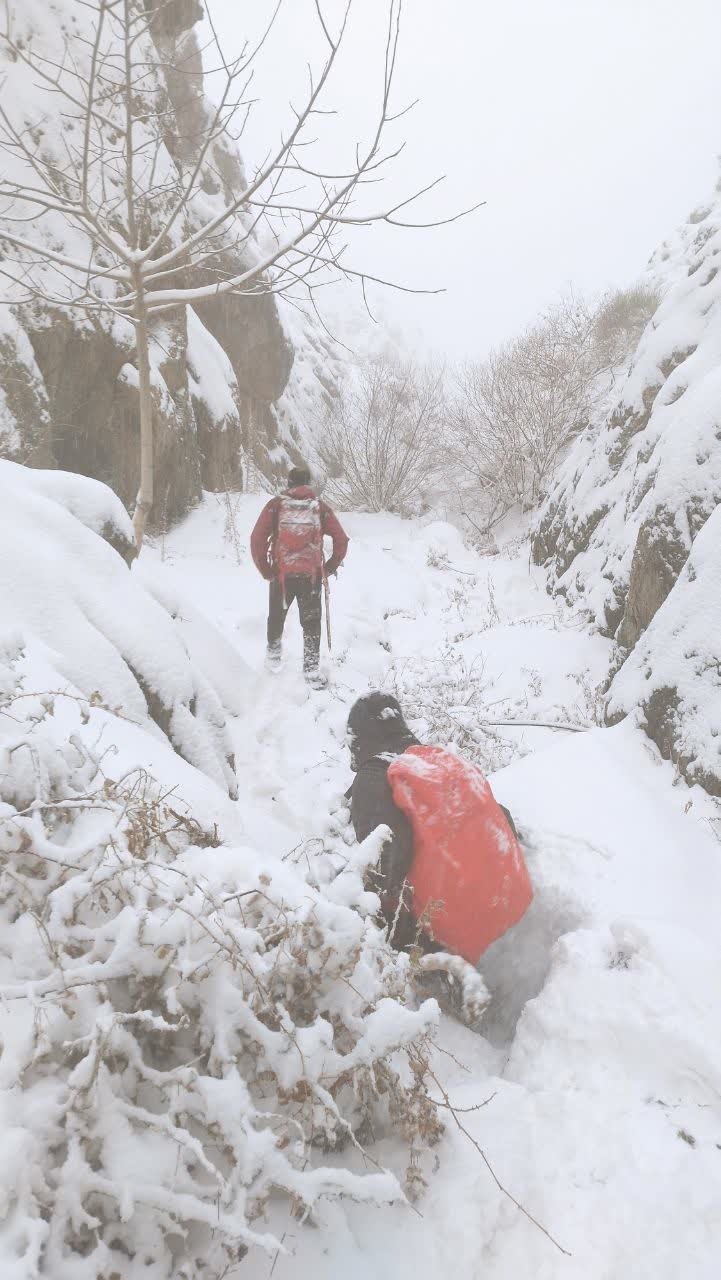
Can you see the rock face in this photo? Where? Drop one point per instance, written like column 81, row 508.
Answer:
column 248, row 328
column 635, row 490
column 25, row 422
column 673, row 676
column 68, row 386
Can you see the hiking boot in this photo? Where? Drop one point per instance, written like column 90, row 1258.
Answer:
column 273, row 660
column 316, row 679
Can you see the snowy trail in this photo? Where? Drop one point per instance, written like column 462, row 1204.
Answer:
column 603, row 1044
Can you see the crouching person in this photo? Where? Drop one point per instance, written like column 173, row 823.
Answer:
column 452, row 877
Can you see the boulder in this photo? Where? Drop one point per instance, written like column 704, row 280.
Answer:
column 68, row 593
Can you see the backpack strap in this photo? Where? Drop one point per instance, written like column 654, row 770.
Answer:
column 276, row 526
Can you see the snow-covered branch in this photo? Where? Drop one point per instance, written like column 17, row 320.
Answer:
column 192, row 1030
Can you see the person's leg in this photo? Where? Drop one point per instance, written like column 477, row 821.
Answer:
column 277, row 610
column 310, row 610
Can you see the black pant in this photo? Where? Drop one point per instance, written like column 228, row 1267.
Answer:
column 307, row 591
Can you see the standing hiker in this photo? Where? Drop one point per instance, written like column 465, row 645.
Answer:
column 287, row 548
column 451, row 876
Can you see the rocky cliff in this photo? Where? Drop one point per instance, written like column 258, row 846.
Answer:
column 68, row 385
column 637, row 488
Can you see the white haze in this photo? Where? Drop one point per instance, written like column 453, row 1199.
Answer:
column 589, row 128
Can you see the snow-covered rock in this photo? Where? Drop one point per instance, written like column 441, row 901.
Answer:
column 92, row 503
column 634, row 492
column 66, row 589
column 24, row 408
column 673, row 675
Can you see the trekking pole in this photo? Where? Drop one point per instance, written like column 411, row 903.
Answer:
column 326, row 593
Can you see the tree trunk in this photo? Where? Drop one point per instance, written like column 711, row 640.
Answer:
column 144, row 503
column 250, row 467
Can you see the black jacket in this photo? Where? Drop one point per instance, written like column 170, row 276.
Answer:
column 378, row 733
column 372, row 805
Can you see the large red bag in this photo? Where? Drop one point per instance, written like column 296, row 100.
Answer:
column 298, row 547
column 468, row 879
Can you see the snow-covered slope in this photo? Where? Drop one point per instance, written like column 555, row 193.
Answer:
column 187, row 982
column 633, row 495
column 601, row 1046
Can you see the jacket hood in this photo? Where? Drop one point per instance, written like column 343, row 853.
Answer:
column 376, row 726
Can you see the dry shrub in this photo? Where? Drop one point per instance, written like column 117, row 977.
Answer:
column 186, row 1027
column 381, row 442
column 620, row 319
column 512, row 414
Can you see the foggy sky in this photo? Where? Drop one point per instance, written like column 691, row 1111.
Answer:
column 590, row 127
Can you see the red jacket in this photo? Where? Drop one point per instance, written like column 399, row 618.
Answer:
column 262, row 537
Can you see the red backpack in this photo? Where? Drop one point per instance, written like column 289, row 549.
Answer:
column 468, row 879
column 298, row 546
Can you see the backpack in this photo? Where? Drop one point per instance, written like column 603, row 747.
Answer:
column 469, row 880
column 298, row 546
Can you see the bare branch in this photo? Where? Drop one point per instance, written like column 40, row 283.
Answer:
column 44, row 252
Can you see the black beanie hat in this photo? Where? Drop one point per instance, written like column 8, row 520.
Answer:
column 376, row 725
column 298, row 476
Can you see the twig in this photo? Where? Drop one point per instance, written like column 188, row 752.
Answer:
column 537, row 724
column 504, row 1190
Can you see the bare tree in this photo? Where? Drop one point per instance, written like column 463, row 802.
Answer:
column 381, row 439
column 128, row 226
column 513, row 413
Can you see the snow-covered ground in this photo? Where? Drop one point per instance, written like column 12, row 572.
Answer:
column 602, row 1048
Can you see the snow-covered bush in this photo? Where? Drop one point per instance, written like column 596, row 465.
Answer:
column 185, row 1028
